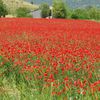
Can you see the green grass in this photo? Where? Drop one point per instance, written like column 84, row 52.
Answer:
column 14, row 86
column 10, row 91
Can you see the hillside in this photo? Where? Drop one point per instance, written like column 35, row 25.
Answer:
column 12, row 5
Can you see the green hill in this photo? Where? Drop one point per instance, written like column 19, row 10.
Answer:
column 12, row 5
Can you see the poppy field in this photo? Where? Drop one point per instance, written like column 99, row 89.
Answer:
column 49, row 59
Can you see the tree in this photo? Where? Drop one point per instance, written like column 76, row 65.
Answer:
column 32, row 2
column 3, row 10
column 59, row 9
column 94, row 13
column 23, row 12
column 45, row 10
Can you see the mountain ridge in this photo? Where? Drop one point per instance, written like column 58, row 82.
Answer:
column 71, row 3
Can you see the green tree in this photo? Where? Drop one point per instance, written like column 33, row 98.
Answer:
column 32, row 2
column 59, row 9
column 45, row 10
column 3, row 10
column 94, row 13
column 23, row 12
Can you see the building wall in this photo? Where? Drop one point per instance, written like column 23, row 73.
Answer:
column 36, row 14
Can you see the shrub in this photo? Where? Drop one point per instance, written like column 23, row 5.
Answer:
column 23, row 12
column 86, row 13
column 80, row 14
column 59, row 9
column 3, row 10
column 94, row 13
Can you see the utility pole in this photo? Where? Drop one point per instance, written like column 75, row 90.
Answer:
column 51, row 8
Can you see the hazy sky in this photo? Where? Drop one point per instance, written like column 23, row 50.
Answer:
column 72, row 3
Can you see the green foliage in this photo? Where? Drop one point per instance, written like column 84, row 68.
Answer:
column 45, row 10
column 59, row 9
column 3, row 10
column 94, row 13
column 86, row 13
column 23, row 12
column 80, row 14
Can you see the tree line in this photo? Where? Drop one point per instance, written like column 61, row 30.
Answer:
column 61, row 10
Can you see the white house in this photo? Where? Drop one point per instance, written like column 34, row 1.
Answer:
column 36, row 13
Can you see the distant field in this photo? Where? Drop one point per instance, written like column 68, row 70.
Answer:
column 12, row 5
